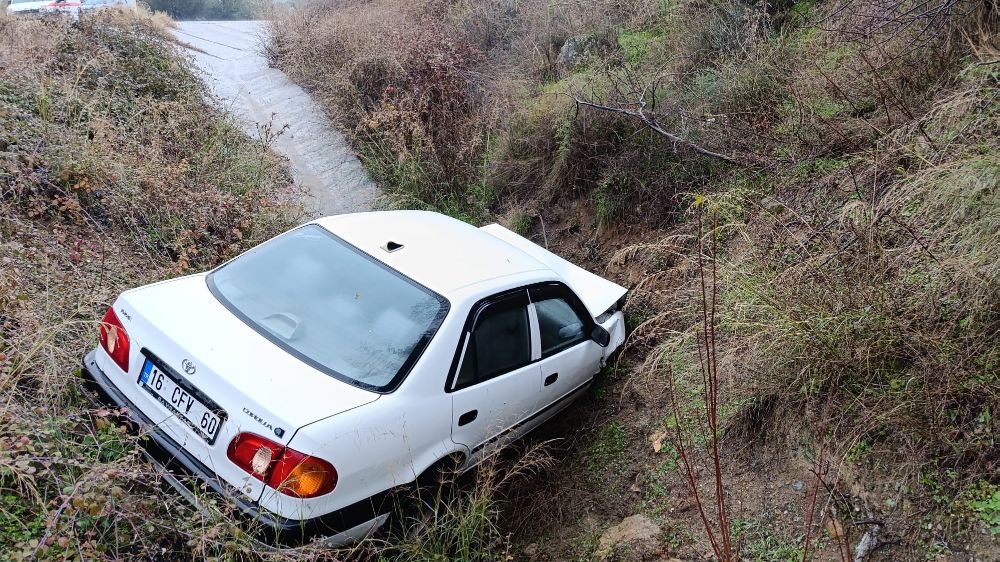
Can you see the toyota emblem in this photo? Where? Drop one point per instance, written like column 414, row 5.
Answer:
column 188, row 366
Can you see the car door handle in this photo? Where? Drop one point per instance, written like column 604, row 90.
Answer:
column 551, row 378
column 467, row 417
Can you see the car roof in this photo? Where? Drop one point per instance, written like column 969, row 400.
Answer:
column 442, row 253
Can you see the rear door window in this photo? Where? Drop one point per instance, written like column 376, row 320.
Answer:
column 500, row 341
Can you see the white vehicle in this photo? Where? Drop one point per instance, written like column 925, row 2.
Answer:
column 28, row 6
column 72, row 8
column 316, row 374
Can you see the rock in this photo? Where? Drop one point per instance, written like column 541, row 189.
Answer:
column 773, row 205
column 798, row 485
column 569, row 54
column 636, row 533
column 657, row 440
column 869, row 542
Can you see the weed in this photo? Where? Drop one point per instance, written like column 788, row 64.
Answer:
column 611, row 198
column 636, row 44
column 985, row 503
column 657, row 496
column 606, row 453
column 17, row 520
column 760, row 544
column 586, row 546
column 522, row 223
column 462, row 525
column 825, row 107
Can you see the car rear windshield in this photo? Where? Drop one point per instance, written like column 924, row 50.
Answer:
column 332, row 306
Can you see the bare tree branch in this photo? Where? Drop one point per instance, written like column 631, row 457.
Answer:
column 652, row 124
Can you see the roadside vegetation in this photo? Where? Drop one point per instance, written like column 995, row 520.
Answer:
column 114, row 171
column 803, row 198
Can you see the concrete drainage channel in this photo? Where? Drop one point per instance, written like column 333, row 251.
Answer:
column 322, row 162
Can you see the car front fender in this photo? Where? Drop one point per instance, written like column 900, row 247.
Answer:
column 615, row 325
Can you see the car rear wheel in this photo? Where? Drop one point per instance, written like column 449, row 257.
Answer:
column 418, row 505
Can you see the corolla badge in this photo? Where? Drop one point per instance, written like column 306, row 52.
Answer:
column 277, row 430
column 188, row 366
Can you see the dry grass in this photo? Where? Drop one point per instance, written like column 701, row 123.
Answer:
column 860, row 294
column 114, row 172
column 889, row 305
column 436, row 95
column 159, row 20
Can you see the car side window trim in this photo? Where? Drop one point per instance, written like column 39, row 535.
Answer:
column 536, row 334
column 463, row 346
column 555, row 289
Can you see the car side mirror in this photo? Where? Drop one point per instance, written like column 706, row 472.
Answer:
column 600, row 335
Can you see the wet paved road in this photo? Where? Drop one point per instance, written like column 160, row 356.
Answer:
column 321, row 159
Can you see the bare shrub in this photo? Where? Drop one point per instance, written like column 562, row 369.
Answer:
column 402, row 80
column 493, row 25
column 892, row 303
column 726, row 30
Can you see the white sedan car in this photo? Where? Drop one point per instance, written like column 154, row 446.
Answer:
column 314, row 375
column 72, row 8
column 30, row 6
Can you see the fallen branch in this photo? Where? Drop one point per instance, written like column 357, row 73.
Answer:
column 651, row 123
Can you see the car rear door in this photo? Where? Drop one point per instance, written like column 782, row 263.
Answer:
column 569, row 356
column 494, row 382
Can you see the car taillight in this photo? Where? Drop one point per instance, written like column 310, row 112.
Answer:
column 254, row 454
column 290, row 472
column 303, row 476
column 114, row 339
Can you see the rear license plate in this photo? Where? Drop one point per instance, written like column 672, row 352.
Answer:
column 205, row 420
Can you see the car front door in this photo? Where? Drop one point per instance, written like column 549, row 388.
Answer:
column 494, row 382
column 569, row 356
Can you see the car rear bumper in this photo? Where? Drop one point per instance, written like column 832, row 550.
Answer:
column 346, row 525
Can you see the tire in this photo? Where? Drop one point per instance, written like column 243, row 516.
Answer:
column 417, row 505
